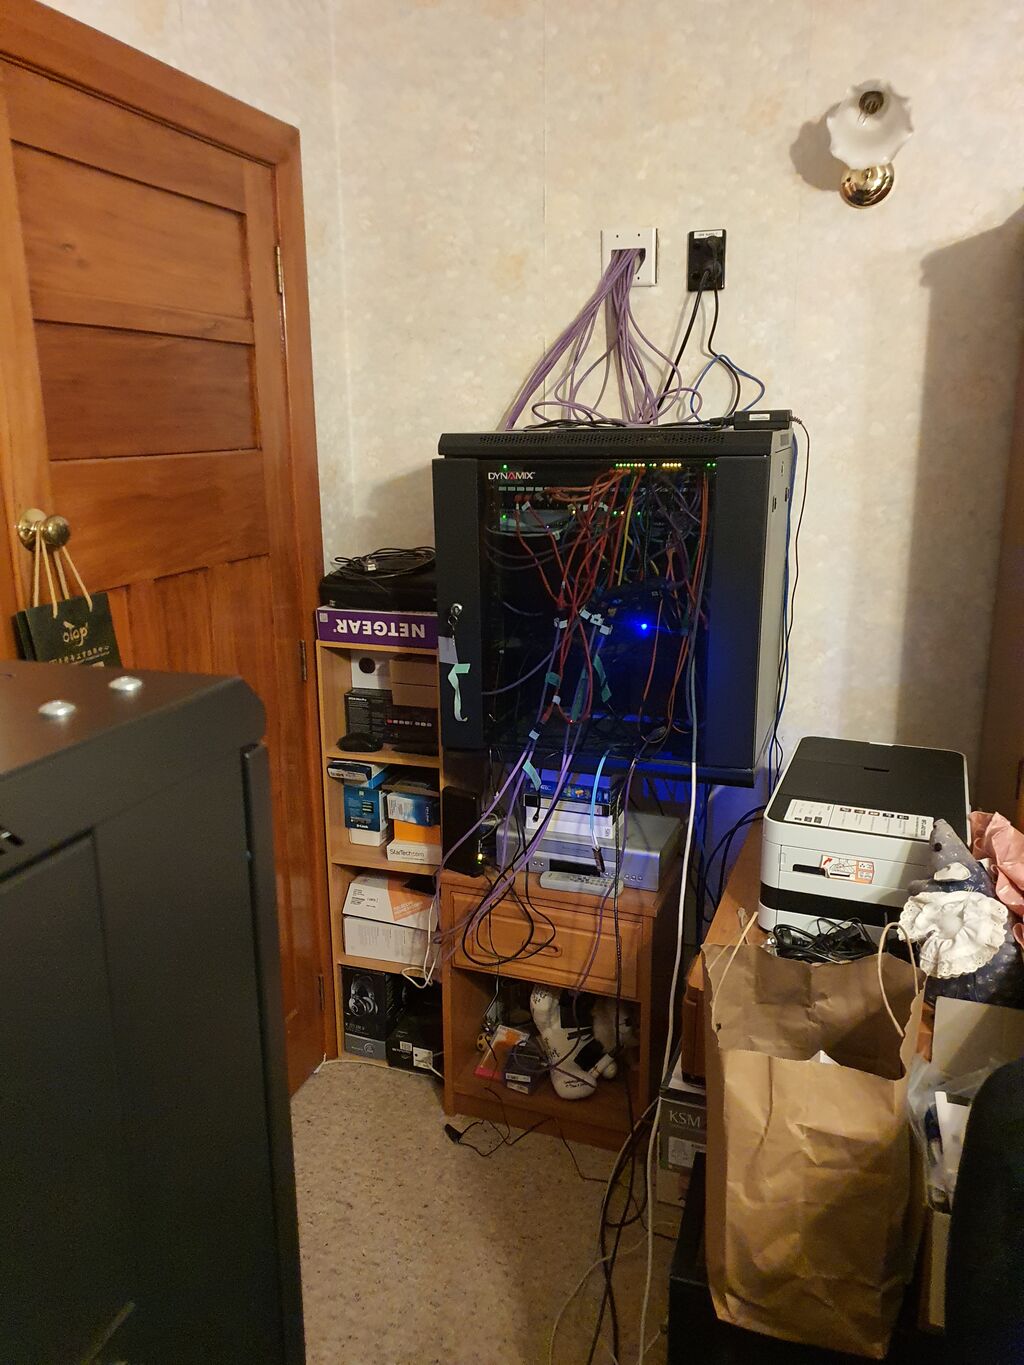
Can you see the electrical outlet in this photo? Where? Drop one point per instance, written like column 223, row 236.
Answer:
column 621, row 239
column 705, row 255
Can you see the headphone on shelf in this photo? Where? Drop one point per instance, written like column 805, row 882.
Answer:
column 361, row 1000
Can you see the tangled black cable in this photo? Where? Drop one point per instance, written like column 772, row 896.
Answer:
column 388, row 562
column 845, row 941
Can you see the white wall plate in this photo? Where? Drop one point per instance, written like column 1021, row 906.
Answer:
column 620, row 239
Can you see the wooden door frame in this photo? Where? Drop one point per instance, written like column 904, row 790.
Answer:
column 50, row 43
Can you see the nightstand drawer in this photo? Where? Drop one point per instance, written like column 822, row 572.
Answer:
column 506, row 930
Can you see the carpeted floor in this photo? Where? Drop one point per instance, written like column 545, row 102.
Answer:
column 418, row 1252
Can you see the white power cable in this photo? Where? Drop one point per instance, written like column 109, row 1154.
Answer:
column 579, row 1285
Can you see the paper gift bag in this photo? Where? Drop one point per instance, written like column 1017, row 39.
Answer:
column 812, row 1204
column 78, row 634
column 68, row 630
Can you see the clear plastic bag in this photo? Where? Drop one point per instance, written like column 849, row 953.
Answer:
column 924, row 1082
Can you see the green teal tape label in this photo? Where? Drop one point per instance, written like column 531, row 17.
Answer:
column 606, row 691
column 457, row 671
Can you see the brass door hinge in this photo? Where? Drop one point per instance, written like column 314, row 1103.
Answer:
column 303, row 665
column 279, row 268
column 320, row 991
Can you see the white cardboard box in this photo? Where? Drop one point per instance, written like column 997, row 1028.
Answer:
column 389, row 899
column 385, row 918
column 387, row 942
column 401, row 851
column 373, row 838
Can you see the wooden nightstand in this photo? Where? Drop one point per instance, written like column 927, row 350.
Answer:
column 646, row 934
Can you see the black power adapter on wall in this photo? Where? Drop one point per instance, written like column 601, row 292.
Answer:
column 705, row 260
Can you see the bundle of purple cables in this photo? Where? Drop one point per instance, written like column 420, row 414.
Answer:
column 623, row 356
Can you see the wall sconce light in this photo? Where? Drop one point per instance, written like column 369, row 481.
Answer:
column 867, row 129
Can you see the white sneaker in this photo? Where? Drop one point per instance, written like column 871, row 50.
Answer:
column 574, row 1056
column 603, row 1023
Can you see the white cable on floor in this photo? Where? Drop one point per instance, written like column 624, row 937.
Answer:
column 605, row 1199
column 671, row 1005
column 580, row 1283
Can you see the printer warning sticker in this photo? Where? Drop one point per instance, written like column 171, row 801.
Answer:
column 860, row 819
column 860, row 871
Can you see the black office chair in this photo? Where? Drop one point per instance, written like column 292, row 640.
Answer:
column 985, row 1266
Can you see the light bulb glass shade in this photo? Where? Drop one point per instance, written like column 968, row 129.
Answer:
column 869, row 126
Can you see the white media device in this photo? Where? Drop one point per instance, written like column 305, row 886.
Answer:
column 848, row 828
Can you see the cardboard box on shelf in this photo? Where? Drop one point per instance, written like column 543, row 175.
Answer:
column 414, row 803
column 406, row 668
column 397, row 943
column 410, row 694
column 387, row 917
column 390, row 898
column 416, row 834
column 416, row 1041
column 405, row 851
column 366, row 816
column 357, row 772
column 374, row 1048
column 366, row 713
column 370, row 1001
column 683, row 1126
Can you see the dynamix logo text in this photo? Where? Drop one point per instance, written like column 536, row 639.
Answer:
column 511, row 475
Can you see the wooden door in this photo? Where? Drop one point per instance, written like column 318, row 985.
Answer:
column 153, row 396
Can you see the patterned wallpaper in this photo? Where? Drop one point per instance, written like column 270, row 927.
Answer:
column 461, row 157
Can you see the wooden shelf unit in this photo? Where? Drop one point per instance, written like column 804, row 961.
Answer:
column 346, row 859
column 584, row 935
column 585, row 938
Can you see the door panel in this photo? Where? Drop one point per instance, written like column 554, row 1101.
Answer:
column 107, row 237
column 58, row 118
column 172, row 512
column 133, row 393
column 149, row 260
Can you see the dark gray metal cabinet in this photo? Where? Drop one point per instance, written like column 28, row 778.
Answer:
column 147, row 1194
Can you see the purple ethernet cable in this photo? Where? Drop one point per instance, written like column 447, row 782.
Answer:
column 622, row 264
column 522, row 858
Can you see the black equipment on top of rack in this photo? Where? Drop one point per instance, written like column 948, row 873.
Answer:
column 383, row 580
column 690, row 529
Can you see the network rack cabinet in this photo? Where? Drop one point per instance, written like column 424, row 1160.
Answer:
column 147, row 1204
column 679, row 537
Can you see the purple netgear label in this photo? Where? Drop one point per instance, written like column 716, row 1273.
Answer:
column 408, row 629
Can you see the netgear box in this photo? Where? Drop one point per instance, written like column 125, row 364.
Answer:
column 848, row 828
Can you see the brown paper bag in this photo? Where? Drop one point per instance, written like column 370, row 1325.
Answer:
column 811, row 1228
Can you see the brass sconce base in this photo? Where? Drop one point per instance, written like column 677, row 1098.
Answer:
column 863, row 188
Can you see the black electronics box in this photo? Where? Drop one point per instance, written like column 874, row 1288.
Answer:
column 416, row 1041
column 409, row 724
column 415, row 590
column 371, row 1002
column 366, row 711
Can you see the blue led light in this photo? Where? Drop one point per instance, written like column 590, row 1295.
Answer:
column 645, row 625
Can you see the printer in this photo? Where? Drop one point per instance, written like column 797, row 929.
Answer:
column 848, row 828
